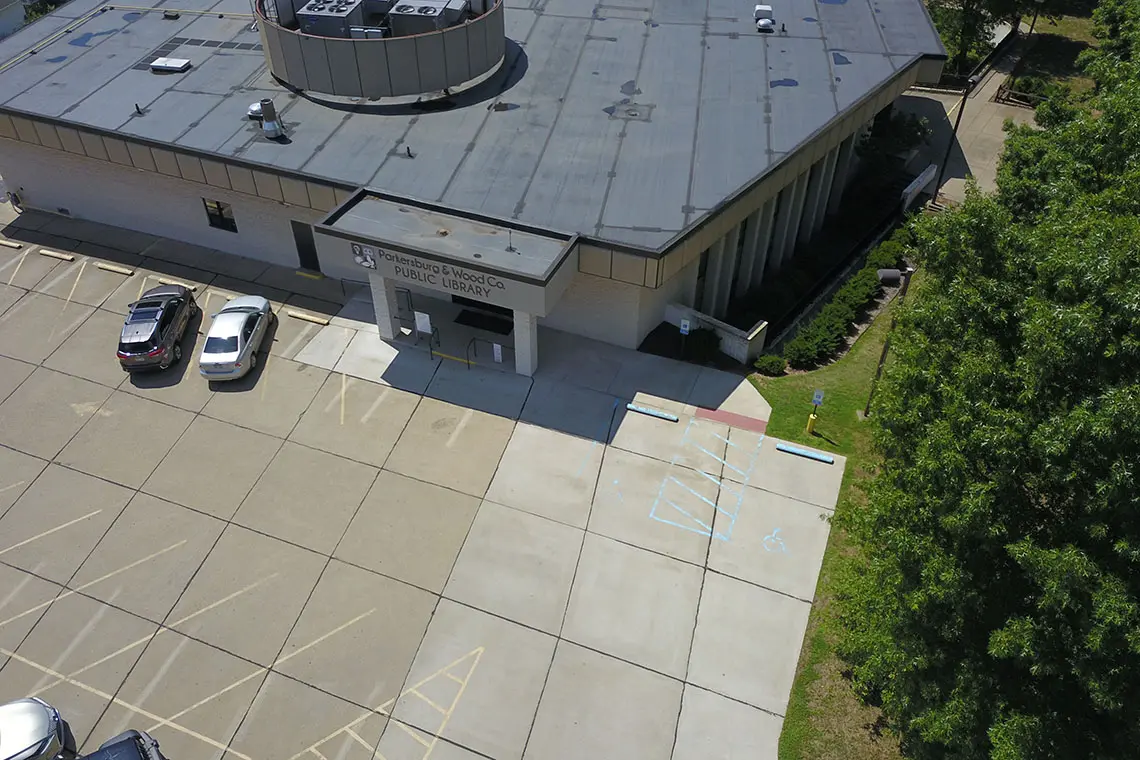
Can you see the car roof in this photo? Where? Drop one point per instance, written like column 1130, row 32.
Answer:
column 245, row 302
column 226, row 325
column 163, row 293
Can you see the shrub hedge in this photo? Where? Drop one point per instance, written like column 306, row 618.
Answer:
column 772, row 365
column 822, row 338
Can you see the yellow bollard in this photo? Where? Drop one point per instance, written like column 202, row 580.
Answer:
column 811, row 423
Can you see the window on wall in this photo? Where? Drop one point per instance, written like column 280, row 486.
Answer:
column 220, row 215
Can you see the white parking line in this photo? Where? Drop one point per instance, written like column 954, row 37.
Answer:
column 375, row 405
column 67, row 270
column 19, row 262
column 76, row 640
column 459, row 428
column 89, row 584
column 121, row 703
column 345, row 383
column 17, row 484
column 258, row 672
column 309, row 327
column 46, row 533
column 170, row 626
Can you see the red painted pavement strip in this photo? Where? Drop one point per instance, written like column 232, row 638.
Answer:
column 733, row 420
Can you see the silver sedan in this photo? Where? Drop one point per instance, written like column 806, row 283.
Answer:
column 235, row 336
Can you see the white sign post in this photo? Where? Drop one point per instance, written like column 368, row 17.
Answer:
column 686, row 325
column 498, row 351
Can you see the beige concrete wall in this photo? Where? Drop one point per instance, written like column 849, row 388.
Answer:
column 147, row 202
column 606, row 310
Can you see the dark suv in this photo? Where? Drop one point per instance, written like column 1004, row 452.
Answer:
column 152, row 333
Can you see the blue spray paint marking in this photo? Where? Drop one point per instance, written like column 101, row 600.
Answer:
column 810, row 20
column 132, row 16
column 56, row 59
column 772, row 540
column 729, row 511
column 839, row 59
column 784, row 83
column 81, row 40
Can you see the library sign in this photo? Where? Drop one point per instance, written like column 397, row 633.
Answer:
column 451, row 279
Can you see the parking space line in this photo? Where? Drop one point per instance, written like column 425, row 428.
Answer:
column 308, row 328
column 375, row 405
column 17, row 484
column 88, row 626
column 16, row 271
column 345, row 384
column 343, row 394
column 89, row 584
column 167, row 627
column 318, row 754
column 355, row 736
column 122, row 703
column 258, row 672
column 46, row 533
column 385, row 708
column 16, row 591
column 459, row 428
column 74, row 285
column 412, row 733
column 67, row 271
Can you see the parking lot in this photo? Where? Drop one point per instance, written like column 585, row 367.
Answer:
column 309, row 564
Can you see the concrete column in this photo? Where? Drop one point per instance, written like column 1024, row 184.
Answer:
column 728, row 270
column 798, row 202
column 783, row 227
column 763, row 241
column 842, row 170
column 811, row 201
column 385, row 304
column 829, row 163
column 758, row 234
column 526, row 343
column 712, row 277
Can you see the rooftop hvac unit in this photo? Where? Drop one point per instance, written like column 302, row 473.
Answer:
column 416, row 17
column 455, row 12
column 330, row 18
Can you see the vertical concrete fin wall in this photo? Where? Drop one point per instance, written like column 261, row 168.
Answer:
column 386, row 66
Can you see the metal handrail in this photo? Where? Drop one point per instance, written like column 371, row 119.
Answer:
column 473, row 347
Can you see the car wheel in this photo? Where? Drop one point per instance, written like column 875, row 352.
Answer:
column 252, row 362
column 177, row 353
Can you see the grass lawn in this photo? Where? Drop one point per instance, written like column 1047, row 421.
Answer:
column 825, row 720
column 1053, row 56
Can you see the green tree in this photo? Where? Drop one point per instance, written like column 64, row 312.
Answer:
column 995, row 612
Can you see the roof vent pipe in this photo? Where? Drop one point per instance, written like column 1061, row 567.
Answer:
column 269, row 123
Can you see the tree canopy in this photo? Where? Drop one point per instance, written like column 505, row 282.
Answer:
column 995, row 612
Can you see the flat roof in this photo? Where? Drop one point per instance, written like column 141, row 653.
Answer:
column 625, row 123
column 481, row 243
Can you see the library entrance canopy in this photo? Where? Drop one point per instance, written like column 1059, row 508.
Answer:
column 499, row 262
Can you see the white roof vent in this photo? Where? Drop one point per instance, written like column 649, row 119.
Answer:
column 167, row 65
column 765, row 18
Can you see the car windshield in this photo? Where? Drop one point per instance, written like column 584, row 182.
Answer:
column 239, row 310
column 221, row 345
column 143, row 315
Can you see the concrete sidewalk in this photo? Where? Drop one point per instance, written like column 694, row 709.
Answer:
column 981, row 134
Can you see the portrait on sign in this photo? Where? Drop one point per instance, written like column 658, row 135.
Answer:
column 364, row 256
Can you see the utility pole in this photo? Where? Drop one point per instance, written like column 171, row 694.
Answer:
column 971, row 83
